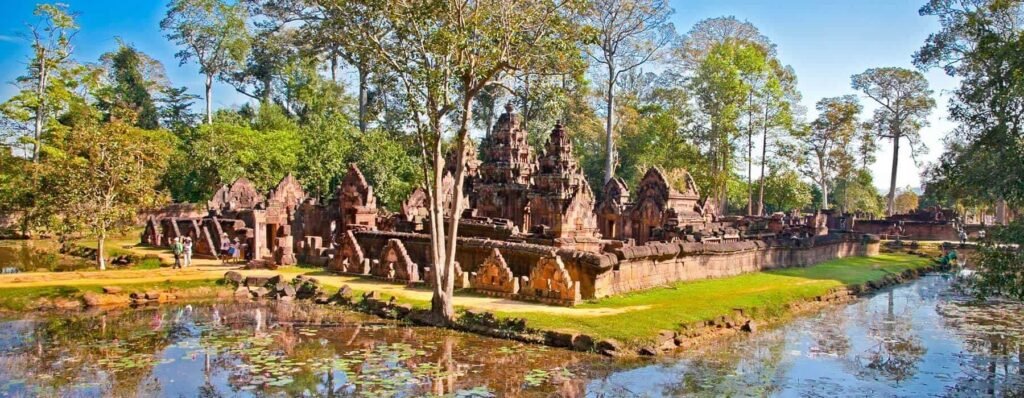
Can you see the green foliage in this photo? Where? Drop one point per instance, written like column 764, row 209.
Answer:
column 980, row 43
column 213, row 32
column 722, row 93
column 826, row 152
column 906, row 201
column 129, row 94
column 387, row 165
column 784, row 191
column 229, row 151
column 101, row 174
column 1000, row 260
column 175, row 109
column 326, row 145
column 857, row 193
column 656, row 140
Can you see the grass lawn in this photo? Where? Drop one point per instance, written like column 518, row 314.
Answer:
column 20, row 298
column 761, row 295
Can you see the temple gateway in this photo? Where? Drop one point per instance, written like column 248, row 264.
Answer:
column 532, row 230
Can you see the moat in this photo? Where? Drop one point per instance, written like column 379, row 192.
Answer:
column 917, row 339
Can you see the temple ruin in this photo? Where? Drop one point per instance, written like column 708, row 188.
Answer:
column 533, row 228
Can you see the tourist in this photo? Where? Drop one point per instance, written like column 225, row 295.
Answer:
column 188, row 252
column 225, row 248
column 963, row 236
column 177, row 249
column 236, row 251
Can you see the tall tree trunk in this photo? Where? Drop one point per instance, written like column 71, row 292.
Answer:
column 101, row 257
column 891, row 206
column 37, row 130
column 363, row 99
column 609, row 165
column 764, row 156
column 824, row 195
column 209, row 99
column 750, row 154
column 445, row 307
column 334, row 67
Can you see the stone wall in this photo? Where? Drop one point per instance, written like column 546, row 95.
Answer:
column 657, row 264
column 918, row 230
column 633, row 268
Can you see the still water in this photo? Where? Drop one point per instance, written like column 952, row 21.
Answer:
column 919, row 339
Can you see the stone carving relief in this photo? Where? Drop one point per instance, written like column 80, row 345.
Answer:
column 395, row 263
column 494, row 275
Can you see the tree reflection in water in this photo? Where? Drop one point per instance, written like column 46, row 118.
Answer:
column 897, row 348
column 240, row 349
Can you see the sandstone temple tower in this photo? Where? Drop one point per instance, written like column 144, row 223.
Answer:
column 561, row 201
column 504, row 181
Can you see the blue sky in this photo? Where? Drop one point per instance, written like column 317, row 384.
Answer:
column 826, row 41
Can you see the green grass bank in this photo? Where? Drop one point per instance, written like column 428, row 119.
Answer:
column 761, row 295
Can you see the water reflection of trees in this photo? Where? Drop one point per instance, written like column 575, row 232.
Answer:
column 993, row 332
column 734, row 367
column 896, row 348
column 349, row 355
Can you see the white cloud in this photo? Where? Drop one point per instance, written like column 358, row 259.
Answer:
column 10, row 39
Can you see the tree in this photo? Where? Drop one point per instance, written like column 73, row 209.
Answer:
column 444, row 54
column 905, row 102
column 780, row 102
column 175, row 109
column 51, row 38
column 722, row 95
column 906, row 201
column 133, row 78
column 213, row 32
column 710, row 32
column 826, row 152
column 103, row 173
column 785, row 191
column 629, row 33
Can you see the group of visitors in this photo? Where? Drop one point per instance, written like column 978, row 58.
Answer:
column 182, row 249
column 230, row 250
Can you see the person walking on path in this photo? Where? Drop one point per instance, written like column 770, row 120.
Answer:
column 177, row 249
column 188, row 252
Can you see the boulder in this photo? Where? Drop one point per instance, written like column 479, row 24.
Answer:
column 234, row 277
column 68, row 304
column 667, row 340
column 242, row 292
column 648, row 351
column 100, row 300
column 559, row 339
column 112, row 289
column 343, row 296
column 257, row 280
column 403, row 310
column 609, row 347
column 321, row 298
column 583, row 342
column 152, row 295
column 259, row 292
column 286, row 291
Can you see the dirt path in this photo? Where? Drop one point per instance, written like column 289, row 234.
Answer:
column 208, row 272
column 208, row 269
